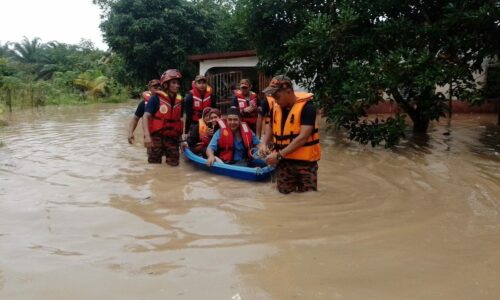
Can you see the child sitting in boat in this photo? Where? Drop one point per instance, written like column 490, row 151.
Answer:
column 233, row 142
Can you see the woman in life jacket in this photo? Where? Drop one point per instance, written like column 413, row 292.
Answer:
column 201, row 134
column 232, row 142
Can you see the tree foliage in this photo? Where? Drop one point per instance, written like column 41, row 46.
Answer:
column 354, row 54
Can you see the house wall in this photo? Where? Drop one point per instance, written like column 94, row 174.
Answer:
column 205, row 65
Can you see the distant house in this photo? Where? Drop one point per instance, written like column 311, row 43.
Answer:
column 224, row 71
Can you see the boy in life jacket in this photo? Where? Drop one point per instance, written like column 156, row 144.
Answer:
column 233, row 142
column 199, row 98
column 153, row 85
column 248, row 104
column 201, row 134
column 163, row 120
column 294, row 133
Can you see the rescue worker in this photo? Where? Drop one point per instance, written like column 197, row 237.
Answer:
column 266, row 104
column 233, row 142
column 163, row 123
column 153, row 85
column 196, row 100
column 295, row 137
column 248, row 104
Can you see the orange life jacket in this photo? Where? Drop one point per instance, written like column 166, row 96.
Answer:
column 200, row 103
column 270, row 102
column 145, row 96
column 167, row 120
column 203, row 133
column 244, row 102
column 226, row 140
column 311, row 150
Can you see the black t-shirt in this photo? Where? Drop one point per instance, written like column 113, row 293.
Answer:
column 307, row 117
column 139, row 111
column 188, row 106
column 154, row 105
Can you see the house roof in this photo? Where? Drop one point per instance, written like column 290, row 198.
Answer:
column 222, row 55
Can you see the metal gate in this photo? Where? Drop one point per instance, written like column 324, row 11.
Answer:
column 223, row 85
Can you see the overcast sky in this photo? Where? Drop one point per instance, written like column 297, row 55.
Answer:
column 66, row 21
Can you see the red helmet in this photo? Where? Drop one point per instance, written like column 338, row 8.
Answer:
column 169, row 75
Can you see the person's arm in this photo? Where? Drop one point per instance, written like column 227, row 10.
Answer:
column 139, row 112
column 212, row 148
column 188, row 107
column 194, row 136
column 151, row 109
column 131, row 128
column 263, row 149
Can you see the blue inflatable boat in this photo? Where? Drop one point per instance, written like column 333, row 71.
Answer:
column 259, row 173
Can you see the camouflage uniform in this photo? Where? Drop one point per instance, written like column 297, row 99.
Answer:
column 161, row 145
column 297, row 176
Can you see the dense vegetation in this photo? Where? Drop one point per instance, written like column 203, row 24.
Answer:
column 355, row 54
column 36, row 73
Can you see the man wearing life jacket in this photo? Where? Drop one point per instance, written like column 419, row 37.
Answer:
column 294, row 133
column 248, row 104
column 196, row 100
column 201, row 133
column 233, row 142
column 163, row 120
column 153, row 85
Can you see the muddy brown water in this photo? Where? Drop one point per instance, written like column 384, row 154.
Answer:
column 83, row 216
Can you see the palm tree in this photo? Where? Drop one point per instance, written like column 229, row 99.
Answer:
column 27, row 52
column 92, row 84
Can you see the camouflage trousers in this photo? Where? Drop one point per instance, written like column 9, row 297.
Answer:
column 297, row 176
column 160, row 146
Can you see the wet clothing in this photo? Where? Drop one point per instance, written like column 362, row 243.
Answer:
column 188, row 107
column 163, row 146
column 239, row 151
column 296, row 176
column 297, row 171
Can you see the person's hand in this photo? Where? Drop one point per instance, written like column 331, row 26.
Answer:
column 147, row 141
column 210, row 160
column 131, row 139
column 272, row 159
column 184, row 137
column 262, row 150
column 183, row 145
column 210, row 131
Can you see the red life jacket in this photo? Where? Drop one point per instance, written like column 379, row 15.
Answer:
column 145, row 96
column 226, row 140
column 167, row 120
column 200, row 103
column 244, row 102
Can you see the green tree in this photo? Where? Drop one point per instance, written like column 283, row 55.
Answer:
column 153, row 35
column 355, row 54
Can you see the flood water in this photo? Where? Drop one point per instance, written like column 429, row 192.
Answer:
column 83, row 216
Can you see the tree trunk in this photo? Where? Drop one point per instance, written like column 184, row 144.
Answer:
column 420, row 125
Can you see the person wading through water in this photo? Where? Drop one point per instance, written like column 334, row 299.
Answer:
column 153, row 86
column 295, row 137
column 163, row 121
